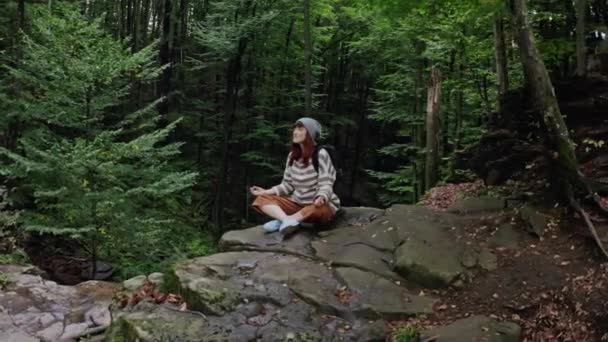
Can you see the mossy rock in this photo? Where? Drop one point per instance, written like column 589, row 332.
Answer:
column 161, row 325
column 206, row 295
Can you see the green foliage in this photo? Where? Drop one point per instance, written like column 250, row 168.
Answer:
column 78, row 90
column 4, row 281
column 452, row 37
column 398, row 185
column 94, row 174
column 406, row 333
column 17, row 257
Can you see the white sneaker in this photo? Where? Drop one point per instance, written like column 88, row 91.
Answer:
column 272, row 226
column 289, row 227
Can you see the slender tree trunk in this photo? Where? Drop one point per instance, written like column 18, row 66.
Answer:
column 21, row 14
column 361, row 124
column 307, row 59
column 581, row 53
column 129, row 19
column 433, row 129
column 145, row 21
column 568, row 177
column 136, row 24
column 500, row 57
column 13, row 131
column 233, row 74
column 459, row 119
column 164, row 86
column 154, row 15
column 417, row 129
column 280, row 95
column 541, row 89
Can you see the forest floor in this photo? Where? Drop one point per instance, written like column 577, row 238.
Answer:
column 555, row 286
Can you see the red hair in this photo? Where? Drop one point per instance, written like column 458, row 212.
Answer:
column 303, row 152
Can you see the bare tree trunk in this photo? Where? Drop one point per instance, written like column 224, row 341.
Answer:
column 307, row 59
column 581, row 55
column 233, row 80
column 136, row 24
column 433, row 129
column 164, row 53
column 570, row 179
column 281, row 94
column 500, row 55
column 541, row 88
column 363, row 95
column 418, row 130
column 145, row 21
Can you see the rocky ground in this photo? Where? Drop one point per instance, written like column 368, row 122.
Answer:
column 472, row 269
column 33, row 308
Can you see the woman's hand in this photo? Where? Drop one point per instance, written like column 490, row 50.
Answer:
column 319, row 201
column 257, row 191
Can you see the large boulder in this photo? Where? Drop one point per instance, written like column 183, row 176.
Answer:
column 309, row 297
column 476, row 328
column 33, row 308
column 338, row 284
column 402, row 243
column 151, row 323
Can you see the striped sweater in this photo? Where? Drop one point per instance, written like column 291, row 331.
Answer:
column 303, row 184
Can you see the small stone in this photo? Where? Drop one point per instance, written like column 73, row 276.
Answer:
column 52, row 332
column 99, row 316
column 458, row 284
column 74, row 331
column 47, row 319
column 488, row 260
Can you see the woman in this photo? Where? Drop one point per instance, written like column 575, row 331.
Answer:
column 304, row 195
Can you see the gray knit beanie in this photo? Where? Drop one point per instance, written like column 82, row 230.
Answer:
column 312, row 126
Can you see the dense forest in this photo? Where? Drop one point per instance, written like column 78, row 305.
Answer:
column 131, row 130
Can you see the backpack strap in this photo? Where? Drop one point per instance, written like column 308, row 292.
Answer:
column 315, row 157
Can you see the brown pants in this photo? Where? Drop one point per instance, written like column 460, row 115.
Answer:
column 310, row 213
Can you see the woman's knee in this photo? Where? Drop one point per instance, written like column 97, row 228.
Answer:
column 264, row 200
column 321, row 215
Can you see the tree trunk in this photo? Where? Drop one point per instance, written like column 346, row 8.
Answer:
column 21, row 14
column 500, row 56
column 361, row 124
column 433, row 129
column 129, row 21
column 569, row 180
column 136, row 24
column 307, row 59
column 233, row 73
column 281, row 94
column 164, row 86
column 581, row 55
column 145, row 20
column 417, row 129
column 541, row 89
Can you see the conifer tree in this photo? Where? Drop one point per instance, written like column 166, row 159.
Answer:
column 93, row 173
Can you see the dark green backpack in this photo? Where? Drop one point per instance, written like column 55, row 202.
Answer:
column 333, row 155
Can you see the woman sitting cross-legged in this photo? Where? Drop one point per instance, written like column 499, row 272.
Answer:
column 306, row 192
